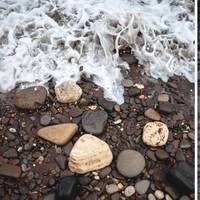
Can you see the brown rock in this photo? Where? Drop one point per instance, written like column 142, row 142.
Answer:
column 58, row 134
column 10, row 170
column 30, row 98
column 163, row 98
column 88, row 154
column 152, row 114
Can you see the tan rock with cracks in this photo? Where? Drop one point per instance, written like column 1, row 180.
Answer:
column 68, row 92
column 88, row 154
column 58, row 134
column 155, row 134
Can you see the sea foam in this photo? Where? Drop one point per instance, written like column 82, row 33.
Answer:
column 61, row 39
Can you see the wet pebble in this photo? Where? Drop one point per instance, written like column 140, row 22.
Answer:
column 142, row 186
column 129, row 191
column 161, row 154
column 159, row 194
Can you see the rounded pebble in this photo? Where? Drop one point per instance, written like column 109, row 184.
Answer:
column 151, row 197
column 130, row 163
column 159, row 194
column 129, row 191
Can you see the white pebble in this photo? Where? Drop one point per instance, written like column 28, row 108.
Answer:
column 117, row 121
column 151, row 197
column 167, row 197
column 112, row 188
column 159, row 194
column 12, row 130
column 129, row 191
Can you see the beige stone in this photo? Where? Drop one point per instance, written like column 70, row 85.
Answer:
column 58, row 134
column 163, row 98
column 89, row 154
column 68, row 92
column 155, row 134
column 152, row 114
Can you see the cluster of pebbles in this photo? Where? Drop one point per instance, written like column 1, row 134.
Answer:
column 71, row 143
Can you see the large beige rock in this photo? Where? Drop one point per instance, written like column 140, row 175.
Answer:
column 88, row 154
column 68, row 92
column 155, row 134
column 58, row 134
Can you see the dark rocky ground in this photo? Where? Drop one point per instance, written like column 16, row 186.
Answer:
column 40, row 164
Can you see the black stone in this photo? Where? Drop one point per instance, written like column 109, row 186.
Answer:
column 67, row 188
column 129, row 58
column 133, row 92
column 182, row 176
column 166, row 107
column 107, row 105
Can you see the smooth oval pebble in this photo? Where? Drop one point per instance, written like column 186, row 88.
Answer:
column 89, row 153
column 68, row 92
column 129, row 191
column 151, row 197
column 159, row 194
column 130, row 163
column 142, row 186
column 155, row 134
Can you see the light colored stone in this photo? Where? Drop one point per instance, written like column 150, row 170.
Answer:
column 127, row 83
column 58, row 134
column 142, row 186
column 129, row 191
column 112, row 188
column 167, row 197
column 151, row 197
column 89, row 154
column 159, row 194
column 68, row 92
column 152, row 114
column 139, row 86
column 155, row 134
column 163, row 98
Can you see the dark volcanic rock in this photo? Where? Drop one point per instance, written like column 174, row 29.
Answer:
column 166, row 107
column 161, row 154
column 10, row 170
column 129, row 58
column 67, row 188
column 61, row 161
column 94, row 121
column 30, row 98
column 107, row 105
column 133, row 91
column 182, row 176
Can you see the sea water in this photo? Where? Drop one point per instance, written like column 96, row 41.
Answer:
column 61, row 39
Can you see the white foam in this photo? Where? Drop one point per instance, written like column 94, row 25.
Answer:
column 35, row 48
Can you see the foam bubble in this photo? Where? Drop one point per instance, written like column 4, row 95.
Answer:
column 41, row 40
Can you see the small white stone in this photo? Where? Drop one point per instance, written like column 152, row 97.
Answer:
column 117, row 121
column 167, row 197
column 20, row 149
column 12, row 130
column 139, row 86
column 93, row 107
column 129, row 191
column 151, row 197
column 159, row 194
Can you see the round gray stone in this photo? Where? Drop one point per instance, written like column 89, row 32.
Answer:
column 94, row 121
column 130, row 163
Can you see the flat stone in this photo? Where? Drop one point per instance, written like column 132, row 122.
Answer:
column 75, row 112
column 45, row 120
column 89, row 154
column 68, row 92
column 142, row 186
column 58, row 134
column 166, row 107
column 182, row 176
column 105, row 172
column 112, row 188
column 94, row 121
column 155, row 134
column 31, row 98
column 152, row 114
column 161, row 154
column 129, row 191
column 67, row 188
column 67, row 148
column 10, row 170
column 185, row 144
column 134, row 92
column 107, row 105
column 10, row 153
column 127, row 83
column 163, row 98
column 130, row 163
column 61, row 161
